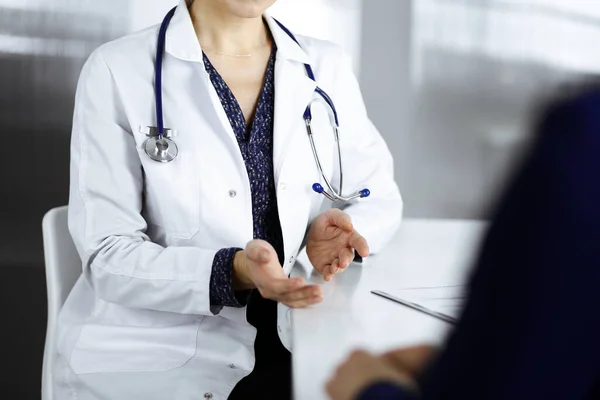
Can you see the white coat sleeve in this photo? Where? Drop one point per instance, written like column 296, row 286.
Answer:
column 366, row 162
column 105, row 202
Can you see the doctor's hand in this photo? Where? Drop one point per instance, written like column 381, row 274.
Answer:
column 332, row 241
column 258, row 267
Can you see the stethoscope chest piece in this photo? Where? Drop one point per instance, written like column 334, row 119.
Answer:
column 161, row 149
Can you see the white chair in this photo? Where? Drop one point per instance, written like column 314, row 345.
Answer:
column 63, row 268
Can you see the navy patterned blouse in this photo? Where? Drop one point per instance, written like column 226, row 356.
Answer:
column 256, row 145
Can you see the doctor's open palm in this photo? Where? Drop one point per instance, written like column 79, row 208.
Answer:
column 332, row 241
column 258, row 267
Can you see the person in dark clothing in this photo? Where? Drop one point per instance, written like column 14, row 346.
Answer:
column 531, row 328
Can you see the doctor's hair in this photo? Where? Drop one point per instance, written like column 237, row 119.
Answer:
column 189, row 2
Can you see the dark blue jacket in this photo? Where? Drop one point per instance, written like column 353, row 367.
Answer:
column 531, row 327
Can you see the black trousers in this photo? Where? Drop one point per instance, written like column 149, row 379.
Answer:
column 272, row 374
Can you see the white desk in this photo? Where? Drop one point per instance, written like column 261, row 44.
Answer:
column 423, row 253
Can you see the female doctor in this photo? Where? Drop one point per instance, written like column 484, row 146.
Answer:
column 193, row 188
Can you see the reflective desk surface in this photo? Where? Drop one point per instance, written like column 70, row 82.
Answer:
column 423, row 253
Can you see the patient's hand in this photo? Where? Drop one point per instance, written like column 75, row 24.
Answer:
column 411, row 360
column 362, row 370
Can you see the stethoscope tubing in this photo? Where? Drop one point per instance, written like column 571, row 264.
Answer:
column 330, row 193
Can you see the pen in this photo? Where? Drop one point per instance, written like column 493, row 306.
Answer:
column 416, row 307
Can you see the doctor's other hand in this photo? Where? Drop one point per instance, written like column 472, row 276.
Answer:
column 332, row 241
column 257, row 266
column 362, row 370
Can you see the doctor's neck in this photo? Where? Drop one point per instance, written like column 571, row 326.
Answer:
column 227, row 29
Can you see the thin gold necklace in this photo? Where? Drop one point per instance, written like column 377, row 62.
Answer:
column 229, row 55
column 234, row 55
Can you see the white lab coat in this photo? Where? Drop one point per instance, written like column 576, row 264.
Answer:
column 138, row 323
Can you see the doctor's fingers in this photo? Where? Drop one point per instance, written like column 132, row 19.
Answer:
column 359, row 243
column 343, row 260
column 275, row 288
column 260, row 251
column 291, row 294
column 340, row 219
column 332, row 269
column 303, row 297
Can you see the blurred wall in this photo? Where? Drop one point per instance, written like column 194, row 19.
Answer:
column 385, row 77
column 43, row 45
column 468, row 72
column 338, row 21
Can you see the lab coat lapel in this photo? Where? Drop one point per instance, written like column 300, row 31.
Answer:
column 293, row 91
column 182, row 43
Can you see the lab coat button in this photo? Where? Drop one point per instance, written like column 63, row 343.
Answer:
column 232, row 366
column 208, row 395
column 232, row 193
column 283, row 186
column 291, row 259
column 279, row 328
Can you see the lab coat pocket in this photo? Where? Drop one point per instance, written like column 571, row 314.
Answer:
column 284, row 325
column 114, row 348
column 171, row 191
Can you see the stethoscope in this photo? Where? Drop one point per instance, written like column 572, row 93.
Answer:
column 161, row 147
